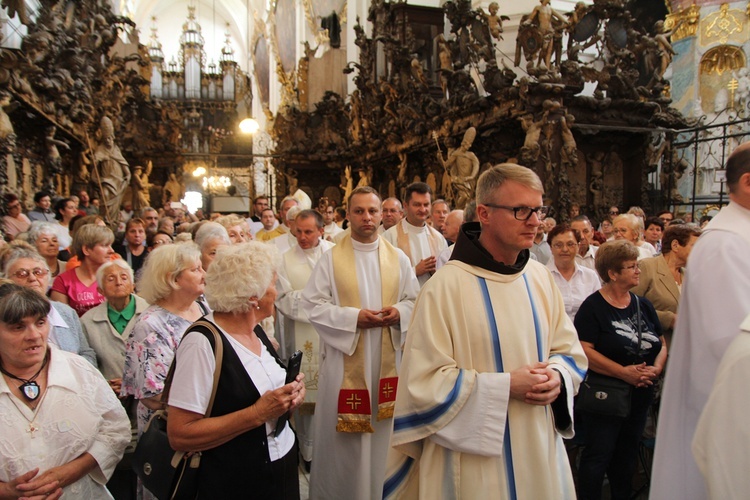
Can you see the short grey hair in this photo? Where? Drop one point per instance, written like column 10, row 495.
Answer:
column 19, row 250
column 210, row 231
column 238, row 273
column 110, row 264
column 147, row 209
column 293, row 213
column 39, row 228
column 634, row 222
column 162, row 267
column 496, row 176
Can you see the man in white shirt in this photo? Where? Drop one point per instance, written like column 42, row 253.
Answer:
column 359, row 298
column 540, row 247
column 586, row 250
column 294, row 272
column 393, row 212
column 714, row 301
column 330, row 228
column 420, row 242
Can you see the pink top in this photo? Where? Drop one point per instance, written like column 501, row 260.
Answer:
column 15, row 225
column 80, row 297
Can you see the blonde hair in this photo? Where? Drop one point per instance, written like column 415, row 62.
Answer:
column 239, row 272
column 496, row 176
column 89, row 236
column 158, row 278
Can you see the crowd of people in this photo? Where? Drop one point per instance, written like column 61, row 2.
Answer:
column 442, row 350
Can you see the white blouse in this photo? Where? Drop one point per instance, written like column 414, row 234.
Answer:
column 193, row 381
column 79, row 413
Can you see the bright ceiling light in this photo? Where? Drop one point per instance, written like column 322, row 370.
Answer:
column 249, row 126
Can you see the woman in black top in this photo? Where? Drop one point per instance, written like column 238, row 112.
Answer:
column 608, row 327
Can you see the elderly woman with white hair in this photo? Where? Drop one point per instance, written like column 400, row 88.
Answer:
column 24, row 266
column 629, row 227
column 209, row 237
column 241, row 450
column 43, row 237
column 236, row 228
column 109, row 324
column 172, row 281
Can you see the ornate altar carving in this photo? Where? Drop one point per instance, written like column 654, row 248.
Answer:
column 408, row 97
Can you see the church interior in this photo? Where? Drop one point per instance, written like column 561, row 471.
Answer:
column 610, row 102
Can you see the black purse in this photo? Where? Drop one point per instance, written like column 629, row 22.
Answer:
column 604, row 395
column 167, row 473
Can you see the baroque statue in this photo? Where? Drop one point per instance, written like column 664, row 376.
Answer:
column 462, row 167
column 111, row 172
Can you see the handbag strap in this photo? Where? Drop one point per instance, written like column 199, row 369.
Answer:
column 638, row 323
column 218, row 354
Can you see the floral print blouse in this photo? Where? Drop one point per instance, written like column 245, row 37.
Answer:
column 149, row 351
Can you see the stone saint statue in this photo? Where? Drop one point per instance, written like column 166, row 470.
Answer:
column 173, row 189
column 462, row 167
column 111, row 172
column 140, row 187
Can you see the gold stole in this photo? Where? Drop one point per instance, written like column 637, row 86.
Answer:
column 402, row 240
column 354, row 397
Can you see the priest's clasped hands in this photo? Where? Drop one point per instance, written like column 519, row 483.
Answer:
column 368, row 318
column 535, row 384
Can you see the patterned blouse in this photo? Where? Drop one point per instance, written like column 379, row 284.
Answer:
column 149, row 351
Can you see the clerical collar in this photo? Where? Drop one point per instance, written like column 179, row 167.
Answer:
column 365, row 247
column 470, row 251
column 412, row 228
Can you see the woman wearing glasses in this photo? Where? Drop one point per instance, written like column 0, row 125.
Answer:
column 575, row 282
column 621, row 336
column 15, row 222
column 629, row 227
column 23, row 265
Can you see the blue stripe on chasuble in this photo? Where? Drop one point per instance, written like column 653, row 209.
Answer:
column 508, row 452
column 429, row 416
column 570, row 362
column 537, row 330
column 392, row 482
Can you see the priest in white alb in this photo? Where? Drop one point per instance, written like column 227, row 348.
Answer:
column 359, row 298
column 417, row 239
column 294, row 272
column 715, row 299
column 491, row 363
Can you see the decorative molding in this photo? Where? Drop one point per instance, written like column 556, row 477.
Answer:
column 721, row 59
column 288, row 93
column 684, row 22
column 725, row 26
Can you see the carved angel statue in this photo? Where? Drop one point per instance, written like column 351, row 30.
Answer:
column 666, row 52
column 462, row 166
column 544, row 16
column 494, row 22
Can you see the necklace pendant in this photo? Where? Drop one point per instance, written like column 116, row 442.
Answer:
column 32, row 429
column 30, row 390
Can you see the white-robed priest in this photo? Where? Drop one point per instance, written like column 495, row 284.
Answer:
column 491, row 363
column 296, row 267
column 359, row 298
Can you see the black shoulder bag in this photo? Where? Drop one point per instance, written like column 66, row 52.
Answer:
column 603, row 395
column 167, row 473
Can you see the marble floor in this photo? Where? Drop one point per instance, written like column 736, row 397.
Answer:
column 304, row 483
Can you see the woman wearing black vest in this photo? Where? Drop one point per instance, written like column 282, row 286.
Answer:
column 242, row 453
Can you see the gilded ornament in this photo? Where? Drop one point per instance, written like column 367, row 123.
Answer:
column 722, row 59
column 724, row 26
column 684, row 22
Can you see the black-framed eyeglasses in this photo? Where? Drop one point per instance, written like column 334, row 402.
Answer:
column 523, row 213
column 37, row 271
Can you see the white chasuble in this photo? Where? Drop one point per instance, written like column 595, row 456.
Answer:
column 457, row 433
